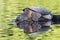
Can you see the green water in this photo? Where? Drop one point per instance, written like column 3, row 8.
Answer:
column 10, row 9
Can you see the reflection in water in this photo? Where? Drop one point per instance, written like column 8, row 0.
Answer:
column 32, row 27
column 40, row 26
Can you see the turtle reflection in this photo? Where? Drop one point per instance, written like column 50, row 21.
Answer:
column 32, row 27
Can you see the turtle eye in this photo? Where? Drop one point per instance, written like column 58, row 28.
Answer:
column 26, row 10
